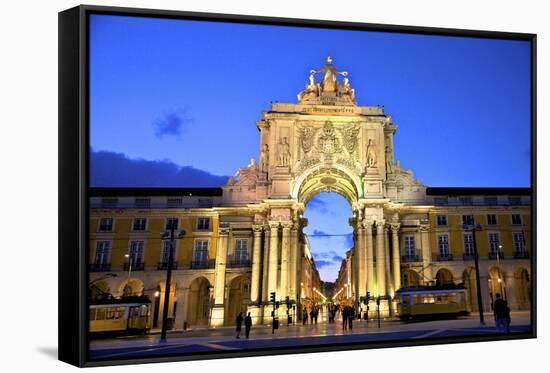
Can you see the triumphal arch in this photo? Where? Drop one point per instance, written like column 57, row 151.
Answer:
column 325, row 142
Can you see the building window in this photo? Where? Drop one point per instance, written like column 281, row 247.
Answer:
column 468, row 245
column 519, row 242
column 206, row 202
column 174, row 202
column 441, row 201
column 514, row 201
column 171, row 223
column 492, row 219
column 109, row 202
column 203, row 224
column 494, row 243
column 441, row 220
column 241, row 251
column 467, row 219
column 106, row 225
column 102, row 253
column 516, row 219
column 139, row 224
column 165, row 252
column 443, row 246
column 465, row 200
column 143, row 203
column 409, row 246
column 200, row 255
column 491, row 200
column 136, row 253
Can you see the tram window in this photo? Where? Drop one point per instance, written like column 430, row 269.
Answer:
column 100, row 315
column 405, row 299
column 92, row 314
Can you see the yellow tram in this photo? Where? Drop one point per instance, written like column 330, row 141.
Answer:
column 128, row 315
column 429, row 302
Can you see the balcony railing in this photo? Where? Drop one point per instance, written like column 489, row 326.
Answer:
column 444, row 257
column 100, row 267
column 411, row 257
column 164, row 265
column 495, row 255
column 466, row 256
column 138, row 266
column 203, row 264
column 521, row 254
column 238, row 263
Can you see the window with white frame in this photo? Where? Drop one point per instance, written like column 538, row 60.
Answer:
column 491, row 219
column 203, row 224
column 469, row 244
column 443, row 245
column 171, row 223
column 136, row 252
column 165, row 252
column 442, row 220
column 200, row 254
column 468, row 219
column 516, row 219
column 494, row 243
column 102, row 252
column 106, row 224
column 241, row 250
column 519, row 242
column 409, row 246
column 139, row 224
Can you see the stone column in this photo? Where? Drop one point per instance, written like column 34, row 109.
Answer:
column 396, row 256
column 361, row 261
column 510, row 282
column 370, row 257
column 181, row 310
column 380, row 259
column 265, row 264
column 256, row 266
column 293, row 278
column 285, row 259
column 389, row 279
column 219, row 281
column 426, row 253
column 273, row 258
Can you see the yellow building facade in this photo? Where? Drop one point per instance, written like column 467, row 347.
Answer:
column 245, row 240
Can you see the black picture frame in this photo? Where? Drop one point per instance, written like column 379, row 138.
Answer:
column 74, row 188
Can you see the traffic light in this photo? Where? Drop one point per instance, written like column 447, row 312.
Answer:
column 368, row 296
column 378, row 301
column 272, row 297
column 277, row 304
column 287, row 301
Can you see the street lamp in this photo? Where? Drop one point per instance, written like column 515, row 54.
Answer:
column 473, row 228
column 129, row 257
column 169, row 236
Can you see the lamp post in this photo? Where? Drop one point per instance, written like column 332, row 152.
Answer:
column 129, row 257
column 473, row 228
column 170, row 236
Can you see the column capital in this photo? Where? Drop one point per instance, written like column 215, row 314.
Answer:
column 287, row 224
column 424, row 228
column 367, row 223
column 257, row 228
column 273, row 224
column 380, row 224
column 223, row 229
column 395, row 227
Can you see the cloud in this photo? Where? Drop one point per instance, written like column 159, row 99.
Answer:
column 337, row 258
column 109, row 169
column 323, row 263
column 318, row 204
column 319, row 234
column 171, row 124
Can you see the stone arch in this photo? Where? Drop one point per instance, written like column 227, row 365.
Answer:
column 443, row 277
column 238, row 298
column 131, row 287
column 327, row 179
column 497, row 284
column 469, row 282
column 158, row 302
column 99, row 289
column 522, row 282
column 410, row 277
column 198, row 301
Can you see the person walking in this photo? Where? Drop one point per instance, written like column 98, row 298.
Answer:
column 239, row 323
column 304, row 316
column 351, row 316
column 247, row 325
column 345, row 318
column 499, row 309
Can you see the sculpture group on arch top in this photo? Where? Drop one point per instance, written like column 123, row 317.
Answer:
column 324, row 143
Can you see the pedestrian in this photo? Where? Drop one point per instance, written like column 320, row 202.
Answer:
column 315, row 314
column 351, row 316
column 508, row 319
column 239, row 322
column 304, row 316
column 500, row 307
column 345, row 318
column 312, row 314
column 247, row 325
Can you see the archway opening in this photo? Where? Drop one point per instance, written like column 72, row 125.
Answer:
column 198, row 302
column 497, row 284
column 238, row 298
column 329, row 237
column 410, row 277
column 443, row 277
column 523, row 289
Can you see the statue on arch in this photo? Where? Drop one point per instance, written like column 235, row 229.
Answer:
column 371, row 155
column 330, row 83
column 389, row 159
column 284, row 152
column 264, row 158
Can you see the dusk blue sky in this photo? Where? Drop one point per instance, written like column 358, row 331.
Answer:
column 178, row 100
